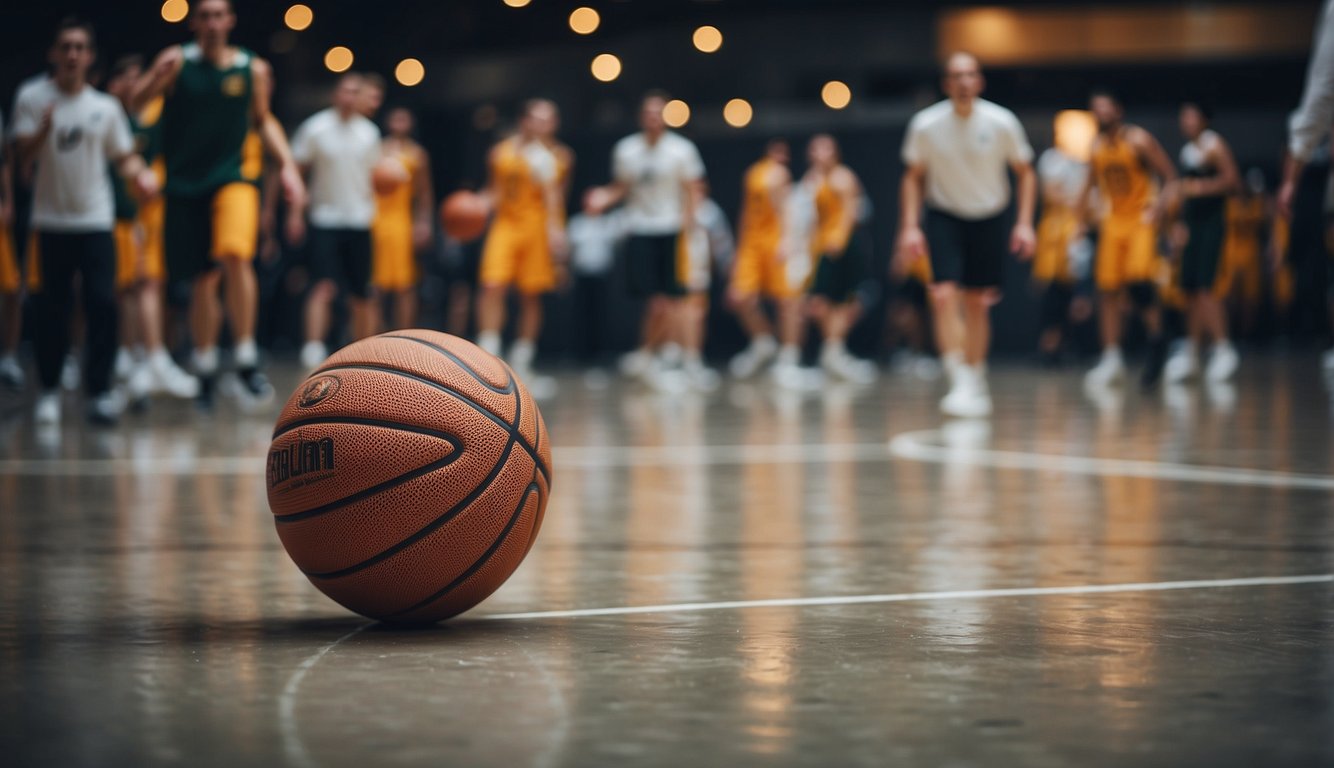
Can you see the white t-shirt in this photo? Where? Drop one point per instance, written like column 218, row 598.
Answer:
column 656, row 176
column 72, row 190
column 1061, row 176
column 340, row 154
column 966, row 158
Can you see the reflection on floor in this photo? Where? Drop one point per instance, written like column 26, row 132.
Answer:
column 148, row 614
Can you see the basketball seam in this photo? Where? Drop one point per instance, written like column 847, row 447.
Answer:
column 435, row 524
column 511, row 429
column 507, row 389
column 397, row 426
column 481, row 561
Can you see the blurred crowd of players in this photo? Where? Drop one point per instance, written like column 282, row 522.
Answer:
column 171, row 231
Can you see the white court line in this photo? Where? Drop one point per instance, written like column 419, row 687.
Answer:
column 292, row 744
column 912, row 597
column 924, row 446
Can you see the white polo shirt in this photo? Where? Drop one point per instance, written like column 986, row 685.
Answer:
column 656, row 175
column 966, row 158
column 72, row 189
column 341, row 154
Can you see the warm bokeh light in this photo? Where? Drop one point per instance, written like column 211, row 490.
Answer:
column 606, row 67
column 338, row 59
column 175, row 10
column 676, row 113
column 1075, row 130
column 298, row 17
column 836, row 94
column 708, row 39
column 409, row 72
column 517, row 3
column 584, row 20
column 738, row 113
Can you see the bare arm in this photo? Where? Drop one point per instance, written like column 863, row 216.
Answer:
column 1156, row 158
column 1228, row 180
column 1023, row 240
column 6, row 189
column 423, row 197
column 848, row 189
column 27, row 146
column 911, row 242
column 157, row 80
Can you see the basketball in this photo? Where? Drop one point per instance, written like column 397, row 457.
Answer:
column 464, row 215
column 408, row 475
column 388, row 175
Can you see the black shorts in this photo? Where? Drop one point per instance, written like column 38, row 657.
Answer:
column 970, row 252
column 912, row 291
column 1203, row 252
column 651, row 265
column 837, row 275
column 343, row 256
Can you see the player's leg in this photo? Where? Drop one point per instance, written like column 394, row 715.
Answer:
column 356, row 260
column 11, row 314
column 743, row 295
column 1110, row 277
column 497, row 273
column 55, row 263
column 235, row 238
column 642, row 281
column 317, row 313
column 97, row 265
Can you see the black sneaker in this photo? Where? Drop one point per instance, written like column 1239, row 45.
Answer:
column 1153, row 364
column 207, row 387
column 251, row 388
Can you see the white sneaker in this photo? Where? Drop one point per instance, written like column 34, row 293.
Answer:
column 841, row 365
column 11, row 373
column 636, row 364
column 1222, row 364
column 1328, row 360
column 1181, row 365
column 313, row 354
column 701, row 377
column 69, row 373
column 105, row 409
column 1111, row 369
column 139, row 383
column 124, row 366
column 753, row 357
column 969, row 397
column 166, row 376
column 47, row 410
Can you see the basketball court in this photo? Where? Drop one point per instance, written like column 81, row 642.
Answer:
column 748, row 577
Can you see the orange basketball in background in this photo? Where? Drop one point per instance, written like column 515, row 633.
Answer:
column 463, row 215
column 388, row 175
column 408, row 475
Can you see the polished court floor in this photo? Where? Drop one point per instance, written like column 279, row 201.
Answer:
column 749, row 577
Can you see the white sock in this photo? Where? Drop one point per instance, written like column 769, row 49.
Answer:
column 137, row 352
column 246, row 354
column 206, row 361
column 789, row 355
column 1111, row 354
column 522, row 353
column 670, row 353
column 833, row 347
column 489, row 341
column 763, row 341
column 159, row 357
column 693, row 359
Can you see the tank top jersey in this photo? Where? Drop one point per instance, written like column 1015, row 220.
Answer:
column 761, row 219
column 1121, row 176
column 520, row 171
column 1196, row 165
column 830, row 237
column 396, row 204
column 206, row 125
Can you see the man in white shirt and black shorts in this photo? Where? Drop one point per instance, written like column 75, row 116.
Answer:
column 655, row 173
column 957, row 153
column 337, row 148
column 73, row 131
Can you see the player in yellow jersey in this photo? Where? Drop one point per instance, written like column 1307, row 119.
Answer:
column 761, row 267
column 1062, row 173
column 1243, row 268
column 11, row 284
column 402, row 222
column 525, row 248
column 1125, row 160
column 142, row 360
column 216, row 108
column 837, row 194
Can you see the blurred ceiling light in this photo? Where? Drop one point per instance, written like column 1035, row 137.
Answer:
column 606, row 67
column 836, row 94
column 298, row 17
column 174, row 11
column 738, row 113
column 676, row 113
column 708, row 39
column 338, row 59
column 517, row 3
column 409, row 72
column 585, row 20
